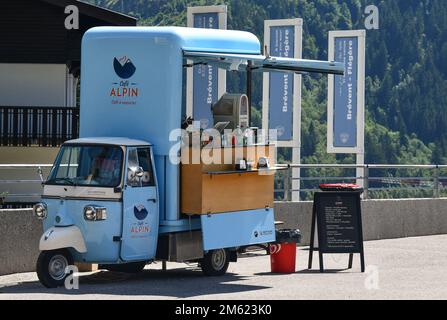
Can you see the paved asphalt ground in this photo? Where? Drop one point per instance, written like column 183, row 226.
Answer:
column 413, row 268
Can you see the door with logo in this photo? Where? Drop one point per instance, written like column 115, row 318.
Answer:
column 140, row 206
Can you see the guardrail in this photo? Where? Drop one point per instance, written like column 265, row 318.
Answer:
column 14, row 199
column 379, row 181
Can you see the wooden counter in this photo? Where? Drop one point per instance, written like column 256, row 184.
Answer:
column 211, row 184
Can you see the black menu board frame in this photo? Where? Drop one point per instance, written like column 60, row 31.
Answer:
column 337, row 216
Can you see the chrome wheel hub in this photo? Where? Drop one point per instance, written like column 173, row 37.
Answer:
column 56, row 267
column 218, row 259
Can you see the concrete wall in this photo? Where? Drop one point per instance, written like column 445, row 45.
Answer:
column 28, row 155
column 20, row 232
column 382, row 219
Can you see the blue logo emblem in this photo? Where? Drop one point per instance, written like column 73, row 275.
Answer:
column 140, row 212
column 124, row 68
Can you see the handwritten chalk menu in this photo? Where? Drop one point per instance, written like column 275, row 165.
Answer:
column 337, row 219
column 338, row 223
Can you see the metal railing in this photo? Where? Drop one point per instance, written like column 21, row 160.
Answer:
column 10, row 188
column 378, row 181
column 38, row 126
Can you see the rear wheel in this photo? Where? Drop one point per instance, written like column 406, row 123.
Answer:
column 132, row 267
column 215, row 262
column 51, row 267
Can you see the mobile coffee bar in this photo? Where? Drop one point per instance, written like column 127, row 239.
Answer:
column 118, row 198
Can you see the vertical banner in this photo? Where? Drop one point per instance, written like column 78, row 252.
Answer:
column 282, row 91
column 281, row 104
column 346, row 99
column 281, row 84
column 205, row 84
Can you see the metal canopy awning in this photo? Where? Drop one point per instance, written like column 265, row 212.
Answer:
column 246, row 62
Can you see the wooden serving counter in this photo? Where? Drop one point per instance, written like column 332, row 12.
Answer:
column 211, row 184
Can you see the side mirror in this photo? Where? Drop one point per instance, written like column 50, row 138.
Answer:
column 40, row 173
column 135, row 175
column 139, row 172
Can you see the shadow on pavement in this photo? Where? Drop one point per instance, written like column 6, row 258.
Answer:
column 305, row 271
column 176, row 283
column 315, row 271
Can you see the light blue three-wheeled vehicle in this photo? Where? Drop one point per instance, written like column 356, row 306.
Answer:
column 113, row 196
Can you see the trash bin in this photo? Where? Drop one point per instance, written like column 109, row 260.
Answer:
column 283, row 251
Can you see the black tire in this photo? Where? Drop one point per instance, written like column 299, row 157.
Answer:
column 215, row 262
column 51, row 267
column 132, row 267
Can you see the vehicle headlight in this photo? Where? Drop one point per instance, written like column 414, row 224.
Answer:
column 95, row 213
column 90, row 213
column 40, row 210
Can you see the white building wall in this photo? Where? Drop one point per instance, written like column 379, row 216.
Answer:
column 71, row 93
column 26, row 85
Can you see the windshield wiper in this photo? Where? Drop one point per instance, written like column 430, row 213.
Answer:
column 66, row 179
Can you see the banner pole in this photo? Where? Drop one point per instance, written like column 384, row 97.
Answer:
column 360, row 172
column 283, row 37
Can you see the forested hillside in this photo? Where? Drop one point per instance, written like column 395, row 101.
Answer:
column 406, row 86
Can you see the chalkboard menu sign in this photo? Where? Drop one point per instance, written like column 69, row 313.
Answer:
column 337, row 219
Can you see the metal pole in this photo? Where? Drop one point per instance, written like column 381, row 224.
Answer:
column 436, row 182
column 296, row 172
column 249, row 90
column 366, row 182
column 360, row 171
column 286, row 185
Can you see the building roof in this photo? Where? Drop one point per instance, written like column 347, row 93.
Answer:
column 96, row 12
column 115, row 141
column 34, row 31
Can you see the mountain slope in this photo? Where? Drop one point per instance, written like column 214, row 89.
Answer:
column 406, row 58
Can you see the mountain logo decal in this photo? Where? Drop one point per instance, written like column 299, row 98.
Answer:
column 140, row 212
column 344, row 138
column 124, row 67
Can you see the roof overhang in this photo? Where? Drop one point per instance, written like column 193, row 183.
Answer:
column 99, row 13
column 261, row 63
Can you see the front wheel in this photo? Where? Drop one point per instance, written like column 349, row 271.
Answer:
column 51, row 267
column 215, row 262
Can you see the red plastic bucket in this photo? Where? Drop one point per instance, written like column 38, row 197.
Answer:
column 283, row 257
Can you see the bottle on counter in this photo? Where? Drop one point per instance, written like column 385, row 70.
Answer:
column 239, row 136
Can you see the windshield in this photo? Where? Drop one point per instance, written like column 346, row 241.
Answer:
column 98, row 166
